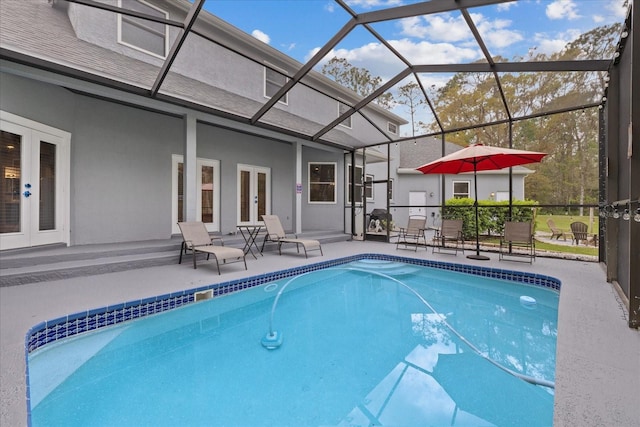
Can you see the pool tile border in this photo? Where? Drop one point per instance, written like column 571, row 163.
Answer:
column 67, row 326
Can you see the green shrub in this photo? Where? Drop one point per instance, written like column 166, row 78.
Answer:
column 491, row 215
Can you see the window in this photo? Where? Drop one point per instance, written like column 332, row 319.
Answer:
column 392, row 128
column 368, row 187
column 142, row 34
column 460, row 189
column 322, row 182
column 342, row 108
column 273, row 81
column 358, row 186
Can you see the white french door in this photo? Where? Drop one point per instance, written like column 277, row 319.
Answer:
column 34, row 183
column 208, row 190
column 254, row 194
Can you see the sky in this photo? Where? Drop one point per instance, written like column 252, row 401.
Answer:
column 514, row 29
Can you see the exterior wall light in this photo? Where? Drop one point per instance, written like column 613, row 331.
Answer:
column 626, row 215
column 636, row 217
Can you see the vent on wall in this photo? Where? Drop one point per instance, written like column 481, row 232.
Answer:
column 203, row 295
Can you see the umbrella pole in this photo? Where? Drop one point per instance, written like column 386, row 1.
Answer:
column 475, row 186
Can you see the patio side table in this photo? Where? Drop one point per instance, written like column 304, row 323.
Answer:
column 249, row 234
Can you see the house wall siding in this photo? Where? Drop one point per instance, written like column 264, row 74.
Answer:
column 233, row 148
column 121, row 172
column 322, row 216
column 121, row 165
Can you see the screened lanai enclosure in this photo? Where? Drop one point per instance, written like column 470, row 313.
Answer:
column 408, row 81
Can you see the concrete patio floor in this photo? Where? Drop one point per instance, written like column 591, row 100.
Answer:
column 598, row 356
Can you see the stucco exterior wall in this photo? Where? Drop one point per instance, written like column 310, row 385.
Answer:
column 322, row 216
column 233, row 148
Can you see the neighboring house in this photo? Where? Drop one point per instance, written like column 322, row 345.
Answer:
column 89, row 157
column 410, row 187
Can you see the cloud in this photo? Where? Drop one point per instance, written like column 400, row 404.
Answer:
column 261, row 36
column 369, row 4
column 505, row 6
column 438, row 28
column 376, row 58
column 550, row 44
column 289, row 46
column 446, row 28
column 496, row 33
column 618, row 8
column 425, row 52
column 562, row 9
column 597, row 18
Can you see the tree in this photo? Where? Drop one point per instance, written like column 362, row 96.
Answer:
column 411, row 96
column 568, row 175
column 359, row 80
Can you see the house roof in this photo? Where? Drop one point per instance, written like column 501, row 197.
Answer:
column 52, row 45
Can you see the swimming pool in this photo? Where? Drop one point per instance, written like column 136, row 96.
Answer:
column 366, row 341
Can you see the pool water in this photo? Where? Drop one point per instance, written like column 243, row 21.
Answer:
column 361, row 347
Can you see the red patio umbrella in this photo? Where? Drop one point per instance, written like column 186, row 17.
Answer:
column 476, row 158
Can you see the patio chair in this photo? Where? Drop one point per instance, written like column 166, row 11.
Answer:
column 449, row 237
column 518, row 241
column 276, row 234
column 413, row 234
column 196, row 238
column 555, row 231
column 579, row 230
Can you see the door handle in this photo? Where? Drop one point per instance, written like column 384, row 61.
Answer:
column 26, row 193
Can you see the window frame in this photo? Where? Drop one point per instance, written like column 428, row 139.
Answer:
column 461, row 195
column 359, row 183
column 389, row 124
column 310, row 183
column 285, row 98
column 368, row 185
column 138, row 48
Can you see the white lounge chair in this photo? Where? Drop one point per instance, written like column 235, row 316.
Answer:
column 276, row 234
column 196, row 238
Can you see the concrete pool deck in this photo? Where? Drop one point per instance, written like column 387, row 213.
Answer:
column 598, row 355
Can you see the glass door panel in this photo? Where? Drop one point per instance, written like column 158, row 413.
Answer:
column 262, row 194
column 206, row 194
column 11, row 170
column 47, row 193
column 180, row 192
column 245, row 196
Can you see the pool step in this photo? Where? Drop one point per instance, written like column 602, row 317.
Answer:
column 57, row 262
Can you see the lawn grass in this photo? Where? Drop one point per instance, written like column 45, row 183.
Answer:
column 563, row 222
column 573, row 249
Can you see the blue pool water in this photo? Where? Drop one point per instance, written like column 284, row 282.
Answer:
column 363, row 344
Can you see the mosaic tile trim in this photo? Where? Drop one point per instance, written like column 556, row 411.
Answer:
column 77, row 323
